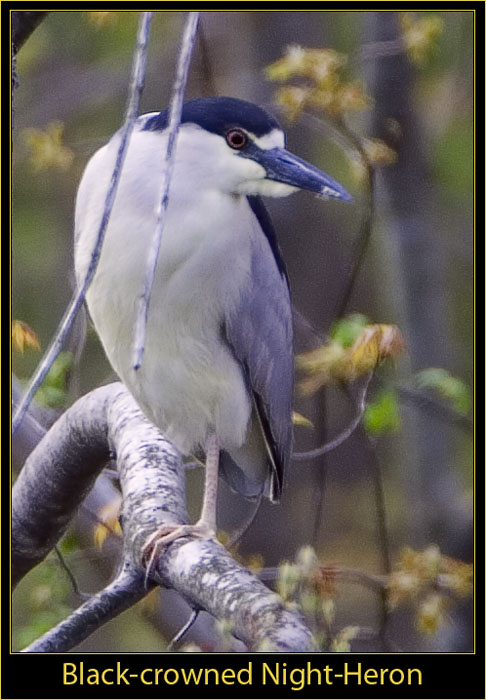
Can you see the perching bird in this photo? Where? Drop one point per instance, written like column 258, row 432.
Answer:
column 217, row 371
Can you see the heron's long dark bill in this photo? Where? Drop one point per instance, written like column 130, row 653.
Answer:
column 283, row 166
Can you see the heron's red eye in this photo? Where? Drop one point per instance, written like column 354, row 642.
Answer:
column 236, row 138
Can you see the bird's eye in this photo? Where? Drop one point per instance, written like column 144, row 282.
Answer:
column 236, row 138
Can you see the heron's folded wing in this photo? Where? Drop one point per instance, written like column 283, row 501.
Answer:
column 259, row 332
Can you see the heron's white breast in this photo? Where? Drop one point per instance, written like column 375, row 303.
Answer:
column 189, row 382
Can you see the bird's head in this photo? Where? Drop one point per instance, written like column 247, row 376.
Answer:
column 239, row 148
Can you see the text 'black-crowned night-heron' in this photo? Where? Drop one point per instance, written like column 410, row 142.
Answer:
column 217, row 371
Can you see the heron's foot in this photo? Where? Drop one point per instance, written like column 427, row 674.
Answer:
column 166, row 534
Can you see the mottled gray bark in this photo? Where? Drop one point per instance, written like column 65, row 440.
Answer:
column 204, row 573
column 56, row 478
column 152, row 479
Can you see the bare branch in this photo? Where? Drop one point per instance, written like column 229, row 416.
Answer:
column 152, row 477
column 43, row 498
column 175, row 111
column 351, row 142
column 362, row 240
column 427, row 402
column 135, row 91
column 183, row 630
column 202, row 571
column 346, row 433
column 23, row 24
column 126, row 590
column 343, row 573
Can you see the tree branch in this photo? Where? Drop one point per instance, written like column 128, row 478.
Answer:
column 23, row 24
column 152, row 478
column 43, row 498
column 126, row 590
column 346, row 433
column 175, row 112
column 202, row 571
column 135, row 91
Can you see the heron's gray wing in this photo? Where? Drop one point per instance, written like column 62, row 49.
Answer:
column 259, row 332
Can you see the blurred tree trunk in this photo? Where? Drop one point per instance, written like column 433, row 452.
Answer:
column 420, row 282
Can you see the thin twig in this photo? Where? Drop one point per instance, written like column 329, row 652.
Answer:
column 349, row 140
column 427, row 402
column 383, row 538
column 175, row 111
column 184, row 629
column 366, row 228
column 70, row 575
column 376, row 471
column 360, row 248
column 329, row 129
column 135, row 91
column 343, row 573
column 121, row 594
column 239, row 532
column 322, row 477
column 379, row 49
column 328, row 446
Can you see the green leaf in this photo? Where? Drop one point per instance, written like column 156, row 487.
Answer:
column 346, row 330
column 53, row 391
column 59, row 372
column 382, row 415
column 450, row 388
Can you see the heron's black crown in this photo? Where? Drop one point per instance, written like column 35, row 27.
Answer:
column 217, row 115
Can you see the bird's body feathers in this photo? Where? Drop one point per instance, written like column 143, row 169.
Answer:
column 217, row 370
column 211, row 354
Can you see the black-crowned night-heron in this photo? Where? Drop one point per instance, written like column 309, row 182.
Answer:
column 217, row 371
